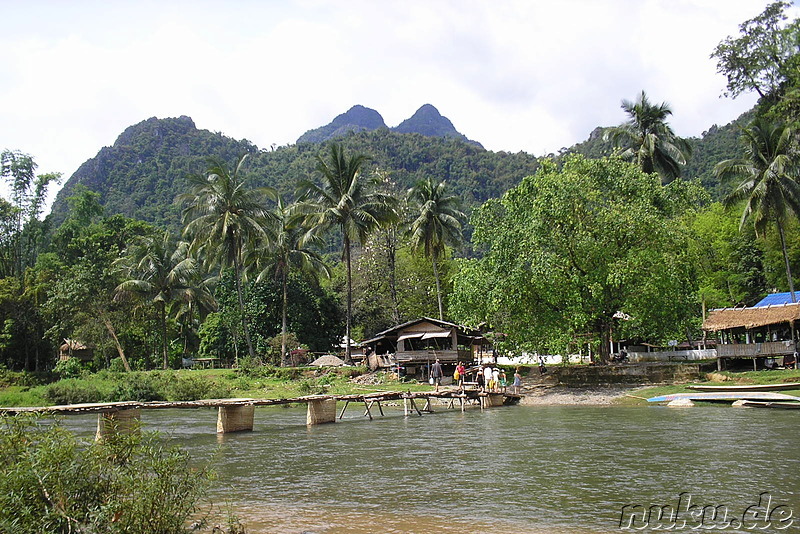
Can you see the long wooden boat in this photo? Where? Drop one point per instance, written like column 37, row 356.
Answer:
column 726, row 396
column 752, row 387
column 778, row 404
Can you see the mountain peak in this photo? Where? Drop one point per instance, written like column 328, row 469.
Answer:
column 356, row 119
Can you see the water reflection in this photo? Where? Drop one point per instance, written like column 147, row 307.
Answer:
column 530, row 469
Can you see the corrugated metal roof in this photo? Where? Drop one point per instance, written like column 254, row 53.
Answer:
column 777, row 298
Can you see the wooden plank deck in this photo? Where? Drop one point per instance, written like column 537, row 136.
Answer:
column 382, row 396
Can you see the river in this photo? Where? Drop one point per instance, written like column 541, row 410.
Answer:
column 526, row 469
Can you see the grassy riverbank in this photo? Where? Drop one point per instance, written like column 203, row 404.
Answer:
column 25, row 389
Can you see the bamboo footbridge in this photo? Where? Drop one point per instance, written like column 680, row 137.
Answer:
column 236, row 415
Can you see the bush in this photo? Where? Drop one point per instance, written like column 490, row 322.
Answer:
column 72, row 391
column 116, row 365
column 51, row 482
column 195, row 388
column 140, row 386
column 69, row 368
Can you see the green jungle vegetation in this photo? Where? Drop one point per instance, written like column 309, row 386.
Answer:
column 177, row 242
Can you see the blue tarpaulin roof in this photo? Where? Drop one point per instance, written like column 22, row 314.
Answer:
column 776, row 299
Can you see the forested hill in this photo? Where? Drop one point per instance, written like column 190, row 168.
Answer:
column 141, row 173
column 146, row 168
column 714, row 145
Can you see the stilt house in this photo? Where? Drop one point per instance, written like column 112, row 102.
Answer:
column 765, row 333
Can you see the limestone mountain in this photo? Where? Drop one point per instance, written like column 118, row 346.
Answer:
column 428, row 121
column 356, row 119
column 145, row 169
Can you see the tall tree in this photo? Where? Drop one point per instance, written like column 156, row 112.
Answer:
column 437, row 224
column 224, row 217
column 160, row 272
column 288, row 249
column 648, row 140
column 764, row 57
column 572, row 252
column 345, row 201
column 767, row 176
column 20, row 224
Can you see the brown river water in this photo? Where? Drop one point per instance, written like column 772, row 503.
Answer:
column 524, row 469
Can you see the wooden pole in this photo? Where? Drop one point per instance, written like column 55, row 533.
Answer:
column 346, row 403
column 368, row 405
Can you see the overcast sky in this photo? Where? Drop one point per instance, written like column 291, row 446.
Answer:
column 531, row 75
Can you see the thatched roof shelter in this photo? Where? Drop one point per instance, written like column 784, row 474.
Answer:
column 748, row 318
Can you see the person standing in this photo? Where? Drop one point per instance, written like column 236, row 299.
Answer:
column 487, row 377
column 517, row 381
column 461, row 370
column 436, row 373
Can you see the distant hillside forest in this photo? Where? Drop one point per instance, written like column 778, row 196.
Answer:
column 177, row 242
column 147, row 167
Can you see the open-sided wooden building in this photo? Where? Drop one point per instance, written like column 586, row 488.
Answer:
column 765, row 333
column 416, row 344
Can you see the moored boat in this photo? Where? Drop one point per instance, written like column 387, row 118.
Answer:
column 749, row 387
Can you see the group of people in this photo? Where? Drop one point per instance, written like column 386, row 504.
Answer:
column 487, row 378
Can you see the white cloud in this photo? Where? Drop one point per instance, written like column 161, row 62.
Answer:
column 512, row 74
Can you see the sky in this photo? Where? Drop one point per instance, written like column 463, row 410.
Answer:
column 515, row 75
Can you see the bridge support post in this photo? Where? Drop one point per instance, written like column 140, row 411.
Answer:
column 491, row 400
column 117, row 422
column 235, row 419
column 321, row 411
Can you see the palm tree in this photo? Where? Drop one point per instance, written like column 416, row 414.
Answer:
column 345, row 202
column 648, row 140
column 159, row 272
column 224, row 218
column 289, row 249
column 437, row 225
column 767, row 177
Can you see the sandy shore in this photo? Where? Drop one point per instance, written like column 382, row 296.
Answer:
column 554, row 395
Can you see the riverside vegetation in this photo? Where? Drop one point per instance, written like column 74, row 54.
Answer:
column 233, row 270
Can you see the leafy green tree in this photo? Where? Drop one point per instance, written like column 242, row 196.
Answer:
column 344, row 201
column 160, row 272
column 20, row 225
column 225, row 218
column 767, row 177
column 764, row 57
column 289, row 248
column 437, row 224
column 648, row 140
column 594, row 248
column 730, row 262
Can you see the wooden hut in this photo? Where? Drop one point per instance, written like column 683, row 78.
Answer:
column 72, row 348
column 416, row 344
column 765, row 333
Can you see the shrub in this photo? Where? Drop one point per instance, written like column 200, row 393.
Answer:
column 139, row 386
column 69, row 368
column 116, row 365
column 195, row 388
column 51, row 482
column 72, row 391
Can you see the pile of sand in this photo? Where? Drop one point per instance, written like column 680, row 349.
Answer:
column 328, row 360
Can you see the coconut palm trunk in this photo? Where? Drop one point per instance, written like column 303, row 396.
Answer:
column 347, row 350
column 786, row 262
column 238, row 276
column 284, row 322
column 438, row 285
